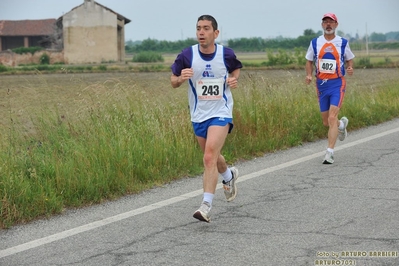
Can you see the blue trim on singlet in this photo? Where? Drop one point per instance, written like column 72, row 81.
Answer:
column 190, row 81
column 344, row 42
column 314, row 45
column 225, row 77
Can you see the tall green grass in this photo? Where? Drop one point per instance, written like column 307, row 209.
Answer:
column 124, row 139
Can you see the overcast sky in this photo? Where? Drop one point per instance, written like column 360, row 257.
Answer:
column 174, row 20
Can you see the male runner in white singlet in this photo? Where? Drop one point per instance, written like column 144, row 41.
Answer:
column 210, row 71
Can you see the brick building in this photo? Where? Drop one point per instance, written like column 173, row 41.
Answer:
column 25, row 33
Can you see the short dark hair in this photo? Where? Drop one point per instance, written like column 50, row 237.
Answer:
column 209, row 18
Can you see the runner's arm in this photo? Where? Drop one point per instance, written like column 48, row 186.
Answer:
column 309, row 71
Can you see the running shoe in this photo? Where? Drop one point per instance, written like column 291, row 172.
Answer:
column 343, row 133
column 202, row 213
column 329, row 158
column 230, row 188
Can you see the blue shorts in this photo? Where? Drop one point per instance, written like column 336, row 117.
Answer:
column 330, row 92
column 201, row 129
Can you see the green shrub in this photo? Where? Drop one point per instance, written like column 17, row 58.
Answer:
column 3, row 68
column 151, row 68
column 25, row 50
column 300, row 56
column 102, row 67
column 280, row 58
column 148, row 57
column 44, row 59
column 364, row 62
column 43, row 67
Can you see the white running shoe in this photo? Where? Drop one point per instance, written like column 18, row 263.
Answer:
column 202, row 213
column 230, row 188
column 343, row 133
column 328, row 158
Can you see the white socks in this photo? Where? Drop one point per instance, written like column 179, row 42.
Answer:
column 227, row 176
column 208, row 197
column 341, row 125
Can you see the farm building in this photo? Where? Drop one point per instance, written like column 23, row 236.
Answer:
column 89, row 33
column 25, row 33
column 93, row 33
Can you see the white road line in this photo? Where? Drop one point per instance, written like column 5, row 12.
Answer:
column 87, row 227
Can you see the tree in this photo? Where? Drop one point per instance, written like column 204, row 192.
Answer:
column 309, row 32
column 392, row 36
column 377, row 37
column 340, row 33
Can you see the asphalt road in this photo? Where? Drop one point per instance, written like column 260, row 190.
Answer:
column 290, row 210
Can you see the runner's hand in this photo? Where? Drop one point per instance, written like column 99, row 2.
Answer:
column 308, row 79
column 350, row 71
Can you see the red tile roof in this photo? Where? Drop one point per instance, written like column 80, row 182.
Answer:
column 42, row 27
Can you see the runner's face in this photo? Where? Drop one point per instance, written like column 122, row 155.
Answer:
column 206, row 35
column 329, row 26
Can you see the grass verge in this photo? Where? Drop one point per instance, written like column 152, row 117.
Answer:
column 95, row 140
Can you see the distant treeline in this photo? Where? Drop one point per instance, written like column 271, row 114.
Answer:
column 375, row 41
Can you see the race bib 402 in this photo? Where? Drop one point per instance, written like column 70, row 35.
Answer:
column 327, row 66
